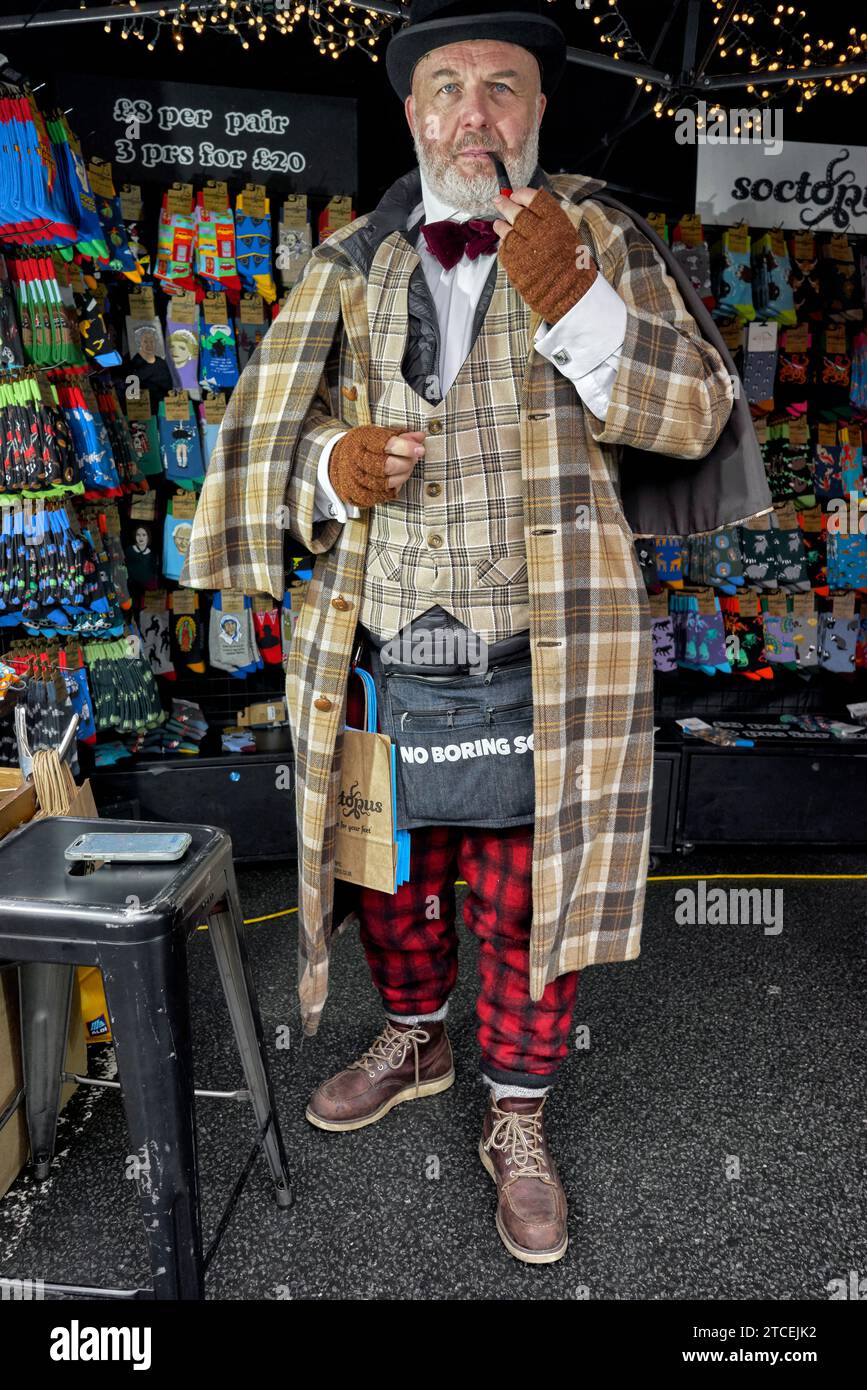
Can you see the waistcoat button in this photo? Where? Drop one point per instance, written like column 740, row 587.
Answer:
column 322, row 703
column 434, row 542
column 435, row 426
column 433, row 489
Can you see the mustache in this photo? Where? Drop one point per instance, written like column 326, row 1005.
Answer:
column 474, row 145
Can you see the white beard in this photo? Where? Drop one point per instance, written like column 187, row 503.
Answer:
column 474, row 194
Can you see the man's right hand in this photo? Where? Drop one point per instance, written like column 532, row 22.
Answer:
column 371, row 463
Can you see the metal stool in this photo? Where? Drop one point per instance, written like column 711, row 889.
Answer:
column 132, row 920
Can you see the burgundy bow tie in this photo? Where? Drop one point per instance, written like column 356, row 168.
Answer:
column 449, row 240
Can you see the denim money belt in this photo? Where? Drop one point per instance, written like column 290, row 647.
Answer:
column 464, row 744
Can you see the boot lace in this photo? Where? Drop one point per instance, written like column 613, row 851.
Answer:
column 519, row 1136
column 389, row 1049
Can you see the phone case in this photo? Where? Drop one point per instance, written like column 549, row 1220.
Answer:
column 129, row 848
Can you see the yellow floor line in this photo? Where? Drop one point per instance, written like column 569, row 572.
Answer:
column 653, row 878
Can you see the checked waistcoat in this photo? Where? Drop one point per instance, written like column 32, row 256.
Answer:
column 454, row 536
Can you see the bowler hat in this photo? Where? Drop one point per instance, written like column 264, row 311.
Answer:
column 435, row 23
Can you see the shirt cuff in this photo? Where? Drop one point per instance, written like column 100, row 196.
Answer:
column 587, row 334
column 327, row 505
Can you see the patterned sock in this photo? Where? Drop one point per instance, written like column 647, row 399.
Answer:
column 231, row 640
column 156, row 641
column 187, row 636
column 267, row 629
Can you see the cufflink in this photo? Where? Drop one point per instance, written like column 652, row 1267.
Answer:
column 561, row 357
column 332, row 509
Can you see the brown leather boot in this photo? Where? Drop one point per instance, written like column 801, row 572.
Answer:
column 531, row 1214
column 405, row 1062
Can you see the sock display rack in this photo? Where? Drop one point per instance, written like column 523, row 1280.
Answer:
column 126, row 315
column 760, row 634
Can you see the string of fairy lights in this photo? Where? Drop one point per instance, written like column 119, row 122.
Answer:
column 336, row 27
column 760, row 39
column 767, row 39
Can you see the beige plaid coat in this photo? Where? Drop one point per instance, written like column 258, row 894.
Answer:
column 589, row 626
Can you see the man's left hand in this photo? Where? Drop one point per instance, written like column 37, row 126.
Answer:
column 543, row 255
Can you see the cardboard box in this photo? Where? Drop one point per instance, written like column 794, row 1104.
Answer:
column 272, row 712
column 13, row 1137
column 17, row 805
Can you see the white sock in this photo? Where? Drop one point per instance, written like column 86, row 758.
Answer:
column 412, row 1019
column 501, row 1091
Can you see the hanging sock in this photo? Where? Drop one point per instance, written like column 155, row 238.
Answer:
column 294, row 240
column 772, row 271
column 147, row 357
column 806, row 290
column 146, row 445
column 218, row 359
column 215, row 250
column 691, row 250
column 176, row 543
column 75, row 678
column 186, row 631
column 267, row 628
column 94, row 333
column 11, row 350
column 180, row 449
column 838, row 639
column 122, row 259
column 253, row 255
column 90, row 441
column 141, row 551
column 209, row 432
column 176, row 235
column 154, row 625
column 90, row 240
column 733, row 275
column 670, row 557
column 248, row 336
column 232, row 640
column 182, row 341
column 32, row 206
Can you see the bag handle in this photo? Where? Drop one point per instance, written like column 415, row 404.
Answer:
column 370, row 719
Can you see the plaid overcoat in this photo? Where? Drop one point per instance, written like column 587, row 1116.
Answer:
column 589, row 628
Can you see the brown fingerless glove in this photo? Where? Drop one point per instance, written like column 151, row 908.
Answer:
column 540, row 256
column 357, row 466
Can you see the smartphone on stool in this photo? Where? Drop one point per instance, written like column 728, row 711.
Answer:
column 130, row 848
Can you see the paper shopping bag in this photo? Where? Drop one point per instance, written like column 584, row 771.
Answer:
column 365, row 851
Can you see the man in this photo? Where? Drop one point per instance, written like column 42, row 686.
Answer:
column 440, row 409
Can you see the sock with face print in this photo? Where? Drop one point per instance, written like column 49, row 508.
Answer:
column 232, row 640
column 182, row 344
column 186, row 632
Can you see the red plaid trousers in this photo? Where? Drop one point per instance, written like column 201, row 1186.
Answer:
column 411, row 945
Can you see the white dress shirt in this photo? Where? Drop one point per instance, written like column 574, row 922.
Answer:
column 585, row 344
